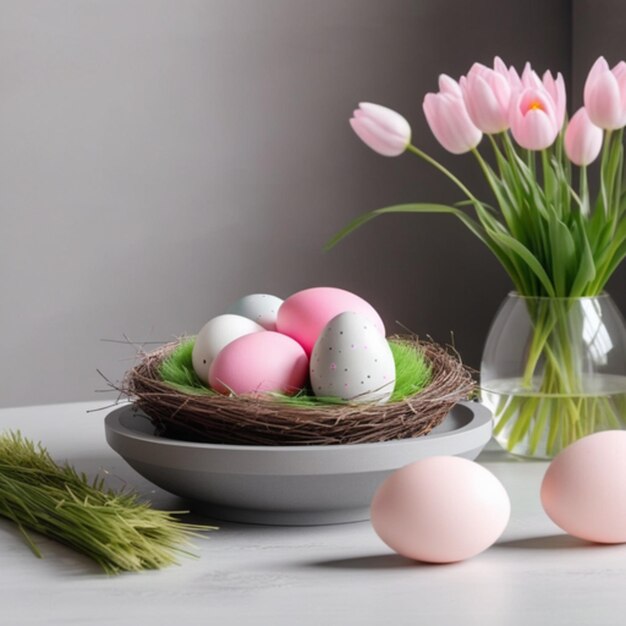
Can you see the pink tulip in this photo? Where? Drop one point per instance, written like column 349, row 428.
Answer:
column 533, row 118
column 449, row 85
column 556, row 88
column 605, row 95
column 448, row 118
column 382, row 129
column 514, row 78
column 487, row 95
column 530, row 79
column 583, row 139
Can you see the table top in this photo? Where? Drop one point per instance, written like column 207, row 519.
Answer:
column 341, row 574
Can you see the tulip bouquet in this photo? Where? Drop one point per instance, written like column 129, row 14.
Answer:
column 552, row 236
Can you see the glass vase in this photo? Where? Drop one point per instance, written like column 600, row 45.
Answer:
column 554, row 370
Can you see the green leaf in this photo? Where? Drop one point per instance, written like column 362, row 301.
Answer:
column 407, row 208
column 587, row 269
column 611, row 257
column 563, row 251
column 474, row 227
column 506, row 204
column 484, row 234
column 616, row 258
column 529, row 259
column 549, row 179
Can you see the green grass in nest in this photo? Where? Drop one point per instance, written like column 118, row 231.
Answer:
column 413, row 373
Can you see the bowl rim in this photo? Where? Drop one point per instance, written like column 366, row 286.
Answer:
column 480, row 415
column 150, row 449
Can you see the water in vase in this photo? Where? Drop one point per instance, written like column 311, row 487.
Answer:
column 528, row 422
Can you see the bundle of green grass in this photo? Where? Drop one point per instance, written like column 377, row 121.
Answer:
column 430, row 379
column 114, row 528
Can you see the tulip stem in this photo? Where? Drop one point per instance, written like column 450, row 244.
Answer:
column 530, row 155
column 584, row 191
column 415, row 150
column 605, row 154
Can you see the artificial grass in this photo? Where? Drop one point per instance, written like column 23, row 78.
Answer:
column 413, row 373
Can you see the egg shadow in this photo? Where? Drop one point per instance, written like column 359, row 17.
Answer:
column 372, row 562
column 550, row 542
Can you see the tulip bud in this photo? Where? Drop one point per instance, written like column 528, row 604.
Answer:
column 533, row 119
column 605, row 95
column 487, row 95
column 449, row 121
column 583, row 139
column 449, row 85
column 382, row 129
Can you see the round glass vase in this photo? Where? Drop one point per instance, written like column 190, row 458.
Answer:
column 554, row 370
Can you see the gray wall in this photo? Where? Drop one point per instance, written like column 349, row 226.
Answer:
column 158, row 159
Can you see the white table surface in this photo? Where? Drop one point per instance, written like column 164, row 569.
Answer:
column 304, row 576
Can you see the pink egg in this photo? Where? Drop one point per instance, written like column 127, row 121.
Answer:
column 584, row 488
column 440, row 510
column 303, row 315
column 260, row 362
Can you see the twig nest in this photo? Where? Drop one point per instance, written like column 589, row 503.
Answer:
column 270, row 420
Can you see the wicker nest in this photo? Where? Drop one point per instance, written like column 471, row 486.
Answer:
column 257, row 420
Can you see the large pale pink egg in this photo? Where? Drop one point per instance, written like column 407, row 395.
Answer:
column 584, row 488
column 304, row 315
column 260, row 362
column 440, row 510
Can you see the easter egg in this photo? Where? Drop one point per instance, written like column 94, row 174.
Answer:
column 260, row 362
column 262, row 308
column 584, row 488
column 215, row 335
column 440, row 510
column 303, row 315
column 351, row 360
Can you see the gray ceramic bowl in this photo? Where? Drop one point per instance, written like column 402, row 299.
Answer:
column 288, row 485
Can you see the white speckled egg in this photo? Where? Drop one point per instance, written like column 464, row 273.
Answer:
column 215, row 335
column 351, row 360
column 262, row 308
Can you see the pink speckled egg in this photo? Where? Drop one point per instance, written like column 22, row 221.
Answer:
column 440, row 510
column 584, row 488
column 260, row 362
column 303, row 315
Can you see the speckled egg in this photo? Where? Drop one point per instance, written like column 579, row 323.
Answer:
column 258, row 363
column 262, row 308
column 351, row 360
column 584, row 489
column 216, row 334
column 440, row 510
column 303, row 315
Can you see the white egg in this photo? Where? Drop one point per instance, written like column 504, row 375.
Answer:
column 259, row 307
column 215, row 335
column 351, row 360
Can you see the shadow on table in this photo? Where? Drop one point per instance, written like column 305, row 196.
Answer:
column 372, row 562
column 62, row 559
column 549, row 542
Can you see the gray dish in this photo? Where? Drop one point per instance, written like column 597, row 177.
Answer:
column 285, row 485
